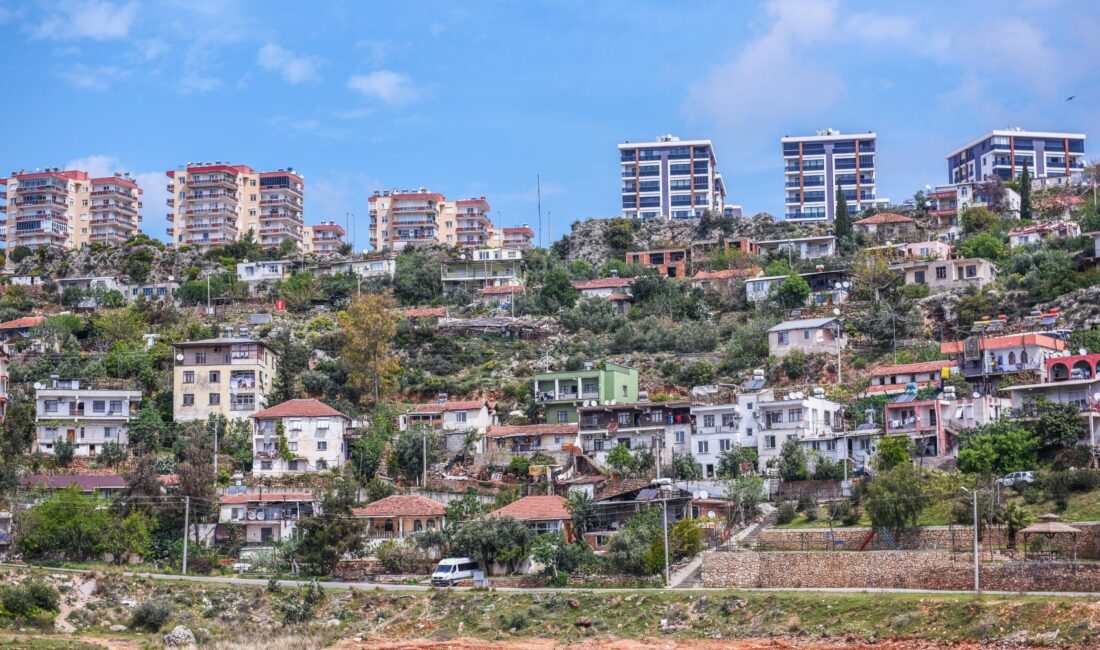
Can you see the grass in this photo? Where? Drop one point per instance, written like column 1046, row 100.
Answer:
column 21, row 642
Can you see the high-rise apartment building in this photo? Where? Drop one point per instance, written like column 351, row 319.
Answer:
column 3, row 212
column 670, row 178
column 813, row 165
column 466, row 222
column 325, row 237
column 403, row 218
column 216, row 203
column 517, row 237
column 69, row 209
column 1004, row 153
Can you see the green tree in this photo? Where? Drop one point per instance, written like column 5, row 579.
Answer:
column 730, row 461
column 65, row 451
column 325, row 539
column 620, row 460
column 147, row 430
column 792, row 292
column 745, row 494
column 629, row 551
column 557, row 292
column 417, row 277
column 20, row 253
column 582, row 511
column 288, row 248
column 407, row 457
column 368, row 328
column 686, row 468
column 65, row 526
column 132, row 535
column 792, row 461
column 494, row 540
column 997, row 448
column 299, row 291
column 1059, row 425
column 892, row 452
column 896, row 498
column 1015, row 518
column 977, row 219
column 985, row 245
column 1025, row 193
column 558, row 556
column 112, row 454
column 842, row 223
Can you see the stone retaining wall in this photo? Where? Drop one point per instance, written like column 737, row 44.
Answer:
column 891, row 570
column 929, row 537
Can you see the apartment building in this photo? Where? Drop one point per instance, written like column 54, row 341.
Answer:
column 826, row 287
column 948, row 202
column 454, row 421
column 1005, row 152
column 722, row 425
column 562, row 393
column 985, row 360
column 670, row 178
column 263, row 516
column 894, row 379
column 1072, row 379
column 520, row 238
column 478, row 268
column 228, row 376
column 502, row 443
column 69, row 209
column 934, row 423
column 4, row 212
column 659, row 427
column 213, row 204
column 400, row 219
column 325, row 237
column 89, row 418
column 945, row 275
column 1040, row 231
column 807, row 418
column 266, row 271
column 669, row 262
column 3, row 384
column 298, row 436
column 371, row 268
column 815, row 164
column 466, row 223
column 799, row 248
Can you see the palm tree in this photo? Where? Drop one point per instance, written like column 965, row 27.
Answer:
column 1014, row 519
column 582, row 509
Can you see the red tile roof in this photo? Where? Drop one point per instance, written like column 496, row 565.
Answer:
column 85, row 482
column 544, row 508
column 906, row 368
column 299, row 408
column 426, row 312
column 266, row 497
column 401, row 505
column 1002, row 342
column 726, row 274
column 885, row 217
column 618, row 296
column 531, row 430
column 20, row 323
column 501, row 290
column 519, row 231
column 602, row 283
column 439, row 407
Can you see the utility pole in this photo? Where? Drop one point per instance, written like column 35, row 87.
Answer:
column 186, row 521
column 665, row 489
column 424, row 452
column 538, row 191
column 977, row 575
column 215, row 454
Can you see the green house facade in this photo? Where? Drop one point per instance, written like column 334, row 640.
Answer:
column 561, row 393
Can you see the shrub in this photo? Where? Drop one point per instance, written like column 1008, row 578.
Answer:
column 151, row 615
column 786, row 513
column 29, row 598
column 805, row 504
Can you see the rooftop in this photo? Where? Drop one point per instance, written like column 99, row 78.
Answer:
column 537, row 508
column 300, row 408
column 1010, row 341
column 401, row 505
column 267, row 496
column 885, row 217
column 602, row 283
column 21, row 323
column 904, row 368
column 439, row 407
column 85, row 483
column 806, row 323
column 531, row 430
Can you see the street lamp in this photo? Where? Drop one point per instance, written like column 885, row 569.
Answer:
column 977, row 578
column 664, row 486
column 839, row 326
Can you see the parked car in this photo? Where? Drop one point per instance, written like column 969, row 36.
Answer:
column 1009, row 480
column 452, row 569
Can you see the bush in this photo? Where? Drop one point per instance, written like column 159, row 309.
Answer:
column 29, row 598
column 786, row 513
column 151, row 615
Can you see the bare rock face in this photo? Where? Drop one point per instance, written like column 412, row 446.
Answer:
column 1079, row 310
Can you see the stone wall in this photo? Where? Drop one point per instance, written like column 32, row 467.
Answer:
column 890, row 570
column 928, row 537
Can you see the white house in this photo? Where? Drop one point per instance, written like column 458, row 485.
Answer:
column 311, row 440
column 797, row 416
column 370, row 268
column 945, row 275
column 810, row 335
column 260, row 271
column 454, row 420
column 1038, row 232
column 806, row 248
column 87, row 417
column 264, row 516
column 603, row 287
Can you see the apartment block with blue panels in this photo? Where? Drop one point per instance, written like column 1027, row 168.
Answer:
column 670, row 178
column 813, row 166
column 1004, row 154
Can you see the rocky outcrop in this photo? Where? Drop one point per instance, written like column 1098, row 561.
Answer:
column 179, row 636
column 1080, row 309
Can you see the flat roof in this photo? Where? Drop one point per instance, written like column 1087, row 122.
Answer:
column 793, row 239
column 1024, row 134
column 825, row 138
column 670, row 143
column 805, row 323
column 1068, row 382
column 224, row 340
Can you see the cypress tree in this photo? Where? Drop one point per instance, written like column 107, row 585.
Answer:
column 1025, row 193
column 842, row 220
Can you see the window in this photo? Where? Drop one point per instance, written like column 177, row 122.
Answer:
column 200, row 357
column 116, row 406
column 188, row 399
column 625, row 419
column 99, row 406
column 728, row 420
column 708, row 420
column 723, row 445
column 704, row 447
column 624, row 390
column 292, row 446
column 679, row 437
column 781, row 338
column 322, row 445
column 563, row 416
column 918, row 277
column 215, row 376
column 265, row 465
column 460, row 416
column 215, row 399
column 794, row 415
column 971, row 271
column 830, row 445
column 189, row 376
column 805, row 335
column 941, row 272
column 769, row 442
column 109, row 432
column 748, row 432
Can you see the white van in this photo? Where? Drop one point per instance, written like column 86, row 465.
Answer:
column 452, row 569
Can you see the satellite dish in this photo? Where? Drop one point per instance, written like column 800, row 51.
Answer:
column 836, row 311
column 1096, row 397
column 710, row 514
column 38, row 385
column 179, row 357
column 703, row 494
column 977, row 394
column 1082, row 351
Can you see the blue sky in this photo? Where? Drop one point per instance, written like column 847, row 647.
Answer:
column 476, row 98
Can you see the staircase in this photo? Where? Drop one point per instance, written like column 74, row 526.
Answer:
column 752, row 532
column 691, row 576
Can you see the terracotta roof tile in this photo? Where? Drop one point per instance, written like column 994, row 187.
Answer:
column 439, row 407
column 86, row 483
column 543, row 508
column 426, row 312
column 905, row 368
column 503, row 290
column 531, row 430
column 726, row 274
column 19, row 323
column 299, row 408
column 602, row 283
column 885, row 217
column 401, row 505
column 1002, row 342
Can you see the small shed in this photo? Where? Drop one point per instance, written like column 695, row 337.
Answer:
column 1047, row 529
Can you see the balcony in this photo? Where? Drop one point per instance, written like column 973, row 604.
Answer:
column 217, row 181
column 211, row 211
column 287, row 202
column 978, row 368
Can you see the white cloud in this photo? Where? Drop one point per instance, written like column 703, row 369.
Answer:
column 98, row 78
column 384, row 85
column 294, row 69
column 196, row 83
column 152, row 184
column 87, row 19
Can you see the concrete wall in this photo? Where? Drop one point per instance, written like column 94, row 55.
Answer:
column 890, row 570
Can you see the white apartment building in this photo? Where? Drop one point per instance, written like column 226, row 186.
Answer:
column 298, row 436
column 478, row 268
column 801, row 248
column 366, row 269
column 670, row 178
column 454, row 420
column 271, row 271
column 663, row 428
column 815, row 164
column 1005, row 152
column 264, row 516
column 87, row 417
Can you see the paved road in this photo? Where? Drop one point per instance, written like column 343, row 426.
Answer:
column 329, row 584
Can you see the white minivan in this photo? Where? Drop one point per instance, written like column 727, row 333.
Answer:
column 452, row 569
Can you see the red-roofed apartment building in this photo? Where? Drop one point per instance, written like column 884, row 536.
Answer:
column 401, row 515
column 517, row 237
column 266, row 516
column 543, row 514
column 454, row 420
column 298, row 436
column 986, row 360
column 891, row 380
column 325, row 237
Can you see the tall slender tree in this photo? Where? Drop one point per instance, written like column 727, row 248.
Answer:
column 842, row 223
column 1025, row 193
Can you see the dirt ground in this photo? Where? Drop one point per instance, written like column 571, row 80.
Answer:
column 654, row 644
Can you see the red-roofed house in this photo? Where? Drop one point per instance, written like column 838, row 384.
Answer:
column 501, row 443
column 267, row 516
column 425, row 312
column 501, row 295
column 885, row 224
column 298, row 436
column 517, row 237
column 401, row 515
column 987, row 359
column 1040, row 231
column 454, row 420
column 603, row 287
column 891, row 380
column 713, row 280
column 543, row 514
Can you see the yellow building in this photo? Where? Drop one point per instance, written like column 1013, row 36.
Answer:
column 403, row 218
column 325, row 237
column 228, row 376
column 215, row 203
column 69, row 209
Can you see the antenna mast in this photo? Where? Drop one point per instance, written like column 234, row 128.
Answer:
column 538, row 191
